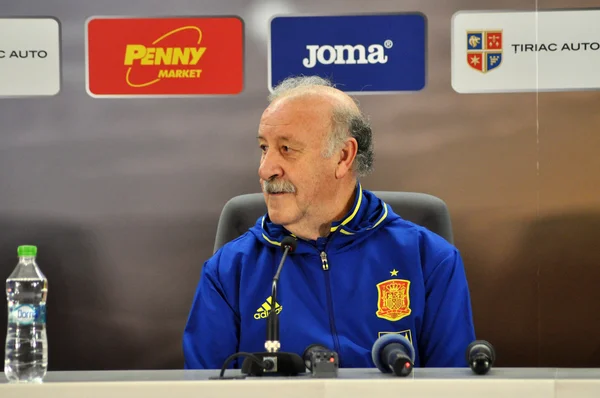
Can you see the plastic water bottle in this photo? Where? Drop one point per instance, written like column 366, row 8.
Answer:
column 26, row 354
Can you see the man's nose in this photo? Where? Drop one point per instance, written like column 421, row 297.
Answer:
column 270, row 166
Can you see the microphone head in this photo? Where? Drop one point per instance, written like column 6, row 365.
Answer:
column 308, row 352
column 384, row 341
column 481, row 356
column 289, row 242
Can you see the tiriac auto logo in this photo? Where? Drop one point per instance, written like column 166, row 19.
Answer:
column 164, row 56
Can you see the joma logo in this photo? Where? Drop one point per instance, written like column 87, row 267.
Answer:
column 346, row 54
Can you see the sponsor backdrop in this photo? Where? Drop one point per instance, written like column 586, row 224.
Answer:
column 123, row 133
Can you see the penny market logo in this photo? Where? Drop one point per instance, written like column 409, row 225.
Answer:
column 142, row 57
column 176, row 62
column 346, row 54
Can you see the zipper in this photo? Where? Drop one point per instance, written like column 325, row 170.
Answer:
column 334, row 335
column 324, row 261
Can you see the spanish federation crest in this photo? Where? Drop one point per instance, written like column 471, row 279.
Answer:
column 484, row 50
column 394, row 302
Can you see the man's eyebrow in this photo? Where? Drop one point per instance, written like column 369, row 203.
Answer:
column 285, row 139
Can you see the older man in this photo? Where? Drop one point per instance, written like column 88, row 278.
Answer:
column 359, row 270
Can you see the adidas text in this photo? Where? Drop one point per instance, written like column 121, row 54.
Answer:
column 264, row 314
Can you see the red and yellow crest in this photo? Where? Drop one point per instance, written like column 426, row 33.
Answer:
column 394, row 302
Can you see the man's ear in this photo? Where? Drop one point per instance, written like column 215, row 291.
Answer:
column 346, row 156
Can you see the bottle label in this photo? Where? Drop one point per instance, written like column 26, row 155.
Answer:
column 27, row 314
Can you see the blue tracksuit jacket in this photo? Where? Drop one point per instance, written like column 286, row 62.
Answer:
column 376, row 273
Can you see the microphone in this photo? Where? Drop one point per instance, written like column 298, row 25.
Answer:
column 310, row 351
column 393, row 353
column 288, row 244
column 321, row 361
column 273, row 361
column 481, row 356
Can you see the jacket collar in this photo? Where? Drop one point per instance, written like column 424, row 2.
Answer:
column 367, row 214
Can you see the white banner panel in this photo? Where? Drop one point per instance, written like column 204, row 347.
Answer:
column 29, row 57
column 557, row 50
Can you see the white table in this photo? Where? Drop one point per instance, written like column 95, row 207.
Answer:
column 351, row 383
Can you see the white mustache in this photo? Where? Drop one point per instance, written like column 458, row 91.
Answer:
column 278, row 186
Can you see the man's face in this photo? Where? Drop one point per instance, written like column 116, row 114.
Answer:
column 297, row 181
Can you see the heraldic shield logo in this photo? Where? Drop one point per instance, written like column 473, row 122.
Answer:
column 484, row 50
column 393, row 303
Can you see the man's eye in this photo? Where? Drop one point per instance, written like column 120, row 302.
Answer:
column 285, row 148
column 263, row 148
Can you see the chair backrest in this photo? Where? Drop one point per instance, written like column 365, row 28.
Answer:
column 241, row 212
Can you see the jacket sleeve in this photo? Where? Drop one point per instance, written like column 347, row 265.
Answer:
column 448, row 321
column 211, row 333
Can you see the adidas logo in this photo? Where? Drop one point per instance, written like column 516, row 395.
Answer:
column 265, row 309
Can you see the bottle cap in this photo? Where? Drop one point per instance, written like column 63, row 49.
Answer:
column 27, row 251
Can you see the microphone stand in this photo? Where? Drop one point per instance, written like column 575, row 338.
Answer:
column 273, row 361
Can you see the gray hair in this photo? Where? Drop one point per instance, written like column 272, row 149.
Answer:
column 347, row 122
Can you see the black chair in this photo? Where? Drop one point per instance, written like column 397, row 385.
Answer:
column 241, row 212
